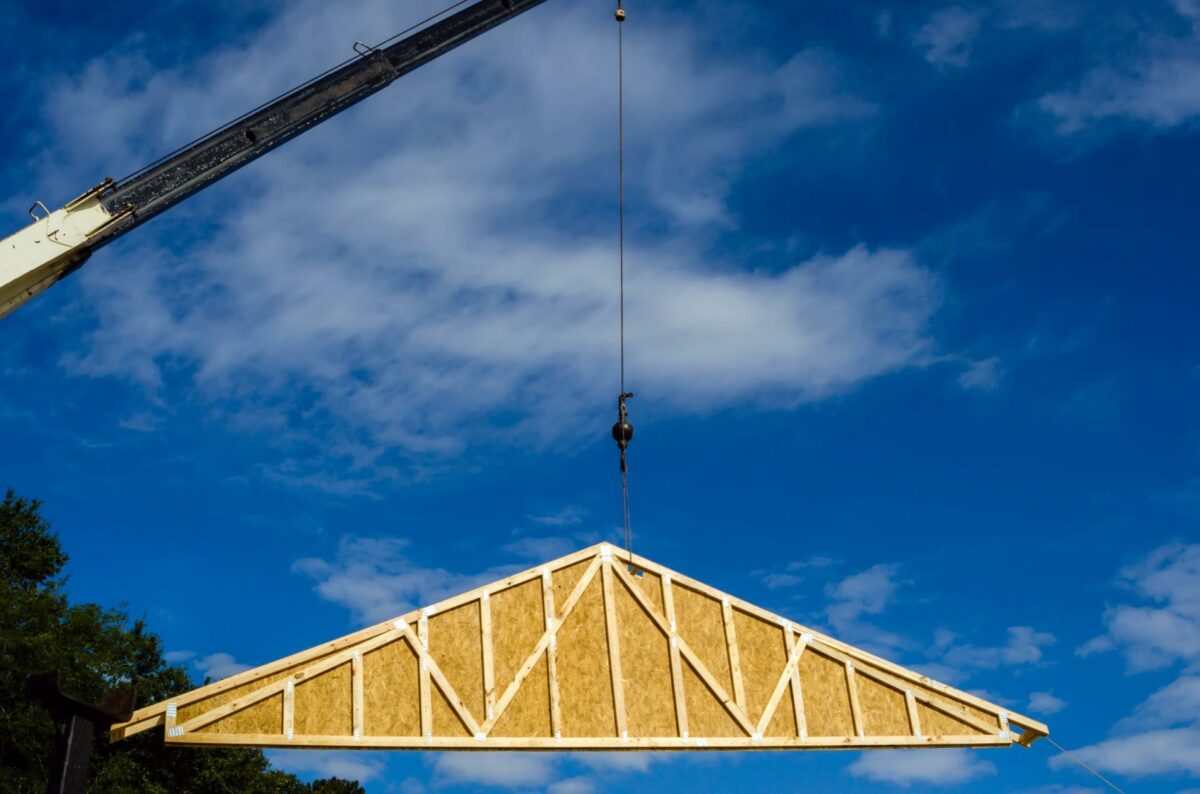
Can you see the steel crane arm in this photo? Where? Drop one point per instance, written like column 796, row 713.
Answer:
column 59, row 242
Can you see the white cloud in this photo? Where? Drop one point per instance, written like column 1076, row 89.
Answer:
column 922, row 767
column 356, row 765
column 946, row 39
column 1024, row 646
column 214, row 666
column 1152, row 637
column 1162, row 735
column 1045, row 703
column 502, row 770
column 574, row 785
column 219, row 665
column 1161, row 752
column 866, row 593
column 1155, row 83
column 377, row 580
column 981, row 375
column 1178, row 703
column 438, row 264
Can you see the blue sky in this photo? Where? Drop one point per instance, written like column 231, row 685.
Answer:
column 911, row 328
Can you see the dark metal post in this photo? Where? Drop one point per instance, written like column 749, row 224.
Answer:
column 75, row 727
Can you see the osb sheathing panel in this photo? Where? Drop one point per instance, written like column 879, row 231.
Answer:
column 584, row 676
column 564, row 581
column 323, row 704
column 651, row 584
column 702, row 625
column 517, row 624
column 393, row 705
column 884, row 710
column 762, row 655
column 195, row 709
column 935, row 723
column 455, row 644
column 263, row 717
column 675, row 670
column 706, row 715
column 529, row 713
column 645, row 670
column 826, row 698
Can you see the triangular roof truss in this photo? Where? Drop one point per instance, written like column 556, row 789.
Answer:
column 585, row 653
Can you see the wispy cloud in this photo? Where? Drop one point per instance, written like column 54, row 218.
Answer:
column 917, row 767
column 1045, row 703
column 945, row 40
column 1151, row 79
column 457, row 281
column 359, row 766
column 214, row 666
column 1162, row 735
column 376, row 578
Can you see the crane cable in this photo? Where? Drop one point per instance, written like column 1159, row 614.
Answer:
column 622, row 431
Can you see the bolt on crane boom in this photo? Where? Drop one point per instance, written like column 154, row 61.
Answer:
column 60, row 242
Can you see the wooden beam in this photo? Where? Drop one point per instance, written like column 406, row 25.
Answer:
column 489, row 664
column 590, row 743
column 551, row 654
column 439, row 679
column 614, row 651
column 425, row 692
column 735, row 711
column 785, row 679
column 855, row 710
column 511, row 691
column 735, row 664
column 356, row 689
column 797, row 692
column 289, row 710
column 681, row 718
column 914, row 719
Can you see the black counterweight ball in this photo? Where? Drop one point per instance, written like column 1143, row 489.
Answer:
column 622, row 433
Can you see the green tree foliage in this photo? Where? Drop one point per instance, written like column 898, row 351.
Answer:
column 95, row 650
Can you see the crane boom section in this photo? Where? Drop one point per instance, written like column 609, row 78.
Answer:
column 59, row 242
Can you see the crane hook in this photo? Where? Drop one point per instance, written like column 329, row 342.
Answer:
column 622, row 430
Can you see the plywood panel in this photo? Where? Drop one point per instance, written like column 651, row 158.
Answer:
column 445, row 721
column 390, row 692
column 706, row 715
column 763, row 656
column 651, row 584
column 455, row 644
column 323, row 704
column 584, row 684
column 884, row 710
column 529, row 712
column 565, row 579
column 517, row 624
column 263, row 717
column 646, row 667
column 702, row 625
column 826, row 700
column 186, row 713
column 935, row 723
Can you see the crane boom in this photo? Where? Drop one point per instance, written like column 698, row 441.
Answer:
column 58, row 243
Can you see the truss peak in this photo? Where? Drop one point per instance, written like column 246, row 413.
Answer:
column 581, row 654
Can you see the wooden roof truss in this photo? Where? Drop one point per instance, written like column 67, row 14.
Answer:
column 582, row 654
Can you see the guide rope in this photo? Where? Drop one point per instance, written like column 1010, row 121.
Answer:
column 622, row 431
column 1079, row 761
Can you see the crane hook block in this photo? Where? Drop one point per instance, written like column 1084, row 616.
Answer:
column 622, row 431
column 620, row 15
